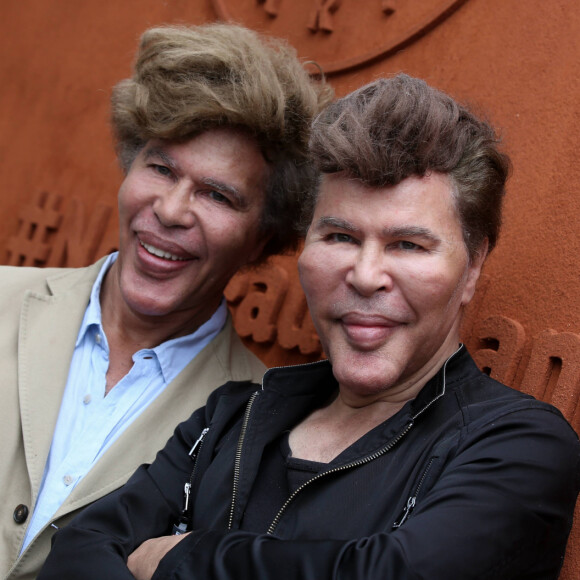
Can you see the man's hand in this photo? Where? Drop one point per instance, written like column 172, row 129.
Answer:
column 143, row 562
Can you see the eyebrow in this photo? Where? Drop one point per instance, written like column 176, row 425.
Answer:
column 411, row 232
column 209, row 181
column 161, row 154
column 333, row 222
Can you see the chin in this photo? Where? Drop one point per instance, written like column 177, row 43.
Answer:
column 148, row 306
column 364, row 380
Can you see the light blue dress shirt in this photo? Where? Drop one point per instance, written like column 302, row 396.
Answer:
column 88, row 422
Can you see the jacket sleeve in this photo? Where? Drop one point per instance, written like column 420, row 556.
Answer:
column 97, row 543
column 500, row 507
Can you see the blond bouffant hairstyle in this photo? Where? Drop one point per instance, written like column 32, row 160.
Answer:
column 190, row 79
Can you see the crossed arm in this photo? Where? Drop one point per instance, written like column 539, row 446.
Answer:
column 512, row 515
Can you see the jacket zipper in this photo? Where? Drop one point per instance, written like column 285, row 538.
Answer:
column 410, row 505
column 356, row 463
column 184, row 522
column 412, row 500
column 238, row 458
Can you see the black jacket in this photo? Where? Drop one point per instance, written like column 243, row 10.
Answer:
column 471, row 479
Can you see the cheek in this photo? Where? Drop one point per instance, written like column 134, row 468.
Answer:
column 431, row 293
column 234, row 239
column 322, row 281
column 138, row 190
column 128, row 202
column 310, row 271
column 448, row 301
column 122, row 199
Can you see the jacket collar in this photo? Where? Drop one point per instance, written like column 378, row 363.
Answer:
column 317, row 381
column 438, row 385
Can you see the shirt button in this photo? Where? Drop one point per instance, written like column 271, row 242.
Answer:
column 20, row 513
column 98, row 338
column 68, row 479
column 87, row 399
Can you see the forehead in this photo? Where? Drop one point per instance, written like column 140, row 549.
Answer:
column 428, row 201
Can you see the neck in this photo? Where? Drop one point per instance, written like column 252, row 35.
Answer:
column 135, row 330
column 407, row 388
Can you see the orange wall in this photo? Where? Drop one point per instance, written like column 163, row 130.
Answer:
column 518, row 61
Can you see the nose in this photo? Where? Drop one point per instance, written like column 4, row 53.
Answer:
column 174, row 207
column 369, row 272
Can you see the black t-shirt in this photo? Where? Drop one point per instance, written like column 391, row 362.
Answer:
column 279, row 476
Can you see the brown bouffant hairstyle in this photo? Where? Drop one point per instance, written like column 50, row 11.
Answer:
column 399, row 127
column 190, row 79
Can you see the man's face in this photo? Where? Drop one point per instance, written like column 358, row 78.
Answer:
column 386, row 273
column 189, row 215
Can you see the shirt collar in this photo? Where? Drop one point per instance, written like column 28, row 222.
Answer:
column 172, row 353
column 93, row 311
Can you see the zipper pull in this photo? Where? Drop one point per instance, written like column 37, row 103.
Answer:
column 406, row 512
column 198, row 443
column 182, row 526
column 186, row 490
column 184, row 523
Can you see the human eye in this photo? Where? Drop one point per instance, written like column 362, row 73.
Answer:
column 162, row 170
column 219, row 197
column 340, row 238
column 409, row 246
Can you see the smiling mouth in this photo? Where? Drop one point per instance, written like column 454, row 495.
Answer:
column 365, row 337
column 368, row 332
column 162, row 253
column 368, row 320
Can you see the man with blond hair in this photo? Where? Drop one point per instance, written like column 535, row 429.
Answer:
column 101, row 362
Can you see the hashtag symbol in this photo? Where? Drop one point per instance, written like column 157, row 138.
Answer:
column 78, row 237
column 30, row 247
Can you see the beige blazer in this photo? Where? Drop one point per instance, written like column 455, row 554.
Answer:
column 40, row 314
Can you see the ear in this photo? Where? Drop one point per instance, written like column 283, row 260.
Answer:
column 473, row 272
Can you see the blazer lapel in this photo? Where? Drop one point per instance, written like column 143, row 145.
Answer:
column 49, row 326
column 151, row 430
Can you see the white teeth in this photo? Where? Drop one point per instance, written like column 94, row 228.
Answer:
column 160, row 253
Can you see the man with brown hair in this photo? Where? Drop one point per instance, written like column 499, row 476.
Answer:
column 395, row 458
column 100, row 363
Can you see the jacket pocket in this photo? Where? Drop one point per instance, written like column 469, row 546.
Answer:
column 412, row 499
column 430, row 473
